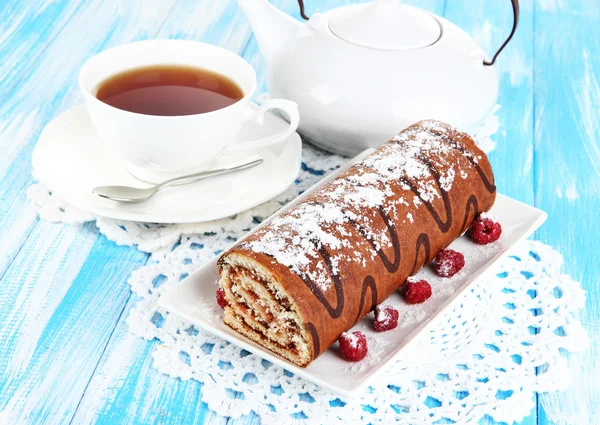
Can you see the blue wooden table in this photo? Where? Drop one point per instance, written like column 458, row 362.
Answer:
column 63, row 291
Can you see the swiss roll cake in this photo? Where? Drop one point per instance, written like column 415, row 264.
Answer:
column 296, row 284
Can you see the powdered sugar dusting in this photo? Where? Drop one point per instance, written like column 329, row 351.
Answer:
column 351, row 338
column 444, row 266
column 378, row 349
column 485, row 215
column 411, row 315
column 298, row 238
column 383, row 315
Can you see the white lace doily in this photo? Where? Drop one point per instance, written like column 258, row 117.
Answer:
column 482, row 361
column 505, row 341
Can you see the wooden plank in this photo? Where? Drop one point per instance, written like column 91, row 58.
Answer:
column 221, row 23
column 126, row 389
column 26, row 29
column 567, row 157
column 59, row 302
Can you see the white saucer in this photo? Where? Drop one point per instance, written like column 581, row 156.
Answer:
column 70, row 159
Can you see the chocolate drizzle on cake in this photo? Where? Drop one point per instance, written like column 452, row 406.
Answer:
column 472, row 205
column 315, row 337
column 337, row 283
column 422, row 241
column 369, row 283
column 391, row 267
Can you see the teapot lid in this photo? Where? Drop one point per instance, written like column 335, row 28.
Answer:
column 385, row 25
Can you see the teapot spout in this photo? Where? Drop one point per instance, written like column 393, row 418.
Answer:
column 272, row 28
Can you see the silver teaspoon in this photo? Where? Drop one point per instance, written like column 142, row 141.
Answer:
column 136, row 194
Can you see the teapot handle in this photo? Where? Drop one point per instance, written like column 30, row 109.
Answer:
column 302, row 13
column 515, row 7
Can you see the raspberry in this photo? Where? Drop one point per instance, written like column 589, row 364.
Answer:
column 386, row 318
column 449, row 262
column 353, row 347
column 415, row 291
column 485, row 230
column 221, row 298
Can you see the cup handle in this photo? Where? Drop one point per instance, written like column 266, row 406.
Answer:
column 258, row 116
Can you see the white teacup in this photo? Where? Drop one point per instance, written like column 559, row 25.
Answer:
column 159, row 147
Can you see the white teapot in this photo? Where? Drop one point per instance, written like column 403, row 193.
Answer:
column 363, row 72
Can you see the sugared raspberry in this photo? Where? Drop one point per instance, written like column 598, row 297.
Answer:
column 353, row 347
column 449, row 262
column 485, row 230
column 386, row 318
column 221, row 298
column 415, row 291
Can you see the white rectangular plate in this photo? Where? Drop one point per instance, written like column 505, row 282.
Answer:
column 193, row 299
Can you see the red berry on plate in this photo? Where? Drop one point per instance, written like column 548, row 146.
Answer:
column 416, row 291
column 448, row 262
column 221, row 298
column 353, row 347
column 386, row 318
column 485, row 229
